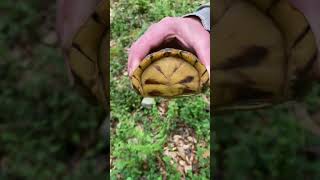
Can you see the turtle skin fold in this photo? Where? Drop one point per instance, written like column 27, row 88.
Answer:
column 170, row 73
column 83, row 30
column 263, row 53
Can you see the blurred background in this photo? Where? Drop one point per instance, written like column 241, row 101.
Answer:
column 47, row 131
column 282, row 142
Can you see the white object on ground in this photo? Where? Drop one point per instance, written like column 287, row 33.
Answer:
column 148, row 102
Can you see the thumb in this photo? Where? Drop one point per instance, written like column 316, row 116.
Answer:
column 203, row 53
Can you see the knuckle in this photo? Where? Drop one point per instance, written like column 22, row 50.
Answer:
column 152, row 26
column 172, row 23
column 169, row 20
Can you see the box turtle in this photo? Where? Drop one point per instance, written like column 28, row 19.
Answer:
column 263, row 54
column 170, row 73
column 83, row 33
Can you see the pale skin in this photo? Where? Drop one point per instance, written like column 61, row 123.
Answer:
column 189, row 32
column 198, row 39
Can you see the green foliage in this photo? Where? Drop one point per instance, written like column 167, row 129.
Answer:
column 19, row 19
column 266, row 144
column 139, row 135
column 47, row 130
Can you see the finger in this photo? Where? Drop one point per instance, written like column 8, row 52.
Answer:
column 202, row 48
column 152, row 38
column 204, row 57
column 71, row 14
column 198, row 38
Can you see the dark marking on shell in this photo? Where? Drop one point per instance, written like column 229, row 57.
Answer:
column 136, row 89
column 203, row 73
column 251, row 56
column 186, row 79
column 135, row 77
column 181, row 53
column 301, row 36
column 96, row 18
column 188, row 91
column 78, row 48
column 195, row 63
column 158, row 68
column 151, row 81
column 176, row 68
column 155, row 93
column 150, row 57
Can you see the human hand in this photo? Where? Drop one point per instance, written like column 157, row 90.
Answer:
column 188, row 33
column 71, row 14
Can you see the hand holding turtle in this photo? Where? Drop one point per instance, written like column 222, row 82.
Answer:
column 188, row 32
column 71, row 15
column 81, row 28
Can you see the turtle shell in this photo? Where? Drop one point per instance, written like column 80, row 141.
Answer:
column 170, row 73
column 263, row 52
column 87, row 56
